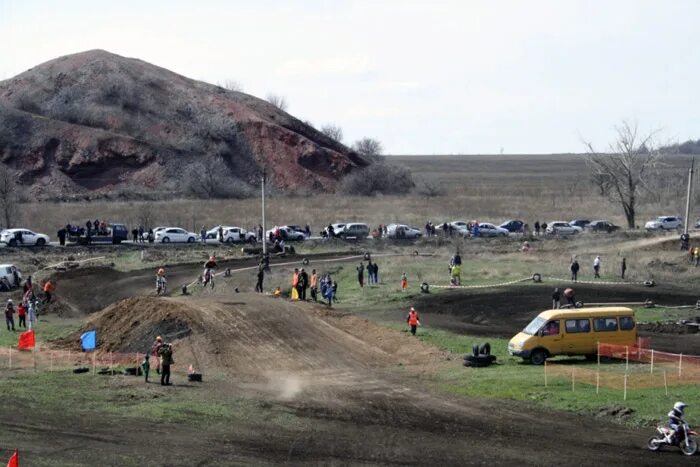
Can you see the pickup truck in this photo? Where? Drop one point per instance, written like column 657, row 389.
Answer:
column 115, row 234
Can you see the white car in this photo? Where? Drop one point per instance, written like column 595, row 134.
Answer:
column 23, row 237
column 402, row 231
column 665, row 223
column 562, row 228
column 232, row 234
column 459, row 227
column 175, row 234
column 10, row 275
column 155, row 231
column 336, row 228
column 287, row 233
column 490, row 230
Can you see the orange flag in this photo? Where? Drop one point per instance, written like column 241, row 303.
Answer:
column 14, row 460
column 27, row 340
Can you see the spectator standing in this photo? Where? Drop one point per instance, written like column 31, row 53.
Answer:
column 303, row 284
column 146, row 366
column 155, row 348
column 9, row 315
column 260, row 233
column 88, row 225
column 31, row 310
column 203, row 235
column 62, row 236
column 295, row 284
column 221, row 234
column 361, row 274
column 166, row 359
column 22, row 315
column 135, row 234
column 334, row 289
column 596, row 267
column 574, row 269
column 314, row 285
column 404, row 282
column 307, row 231
column 537, row 228
column 685, row 241
column 370, row 272
column 261, row 277
column 376, row 273
column 141, row 231
column 623, row 267
column 543, row 226
column 556, row 299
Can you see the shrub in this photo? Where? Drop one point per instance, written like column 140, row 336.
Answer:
column 377, row 178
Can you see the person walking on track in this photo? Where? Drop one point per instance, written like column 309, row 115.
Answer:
column 574, row 269
column 261, row 277
column 596, row 267
column 413, row 320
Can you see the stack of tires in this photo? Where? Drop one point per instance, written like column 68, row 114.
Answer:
column 480, row 357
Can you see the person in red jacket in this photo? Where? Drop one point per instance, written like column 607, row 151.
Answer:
column 22, row 315
column 413, row 320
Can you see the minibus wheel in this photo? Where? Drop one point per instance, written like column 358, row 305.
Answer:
column 538, row 356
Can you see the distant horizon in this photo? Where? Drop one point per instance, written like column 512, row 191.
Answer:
column 484, row 77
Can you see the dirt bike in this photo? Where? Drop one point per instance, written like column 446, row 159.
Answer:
column 208, row 278
column 684, row 439
column 161, row 287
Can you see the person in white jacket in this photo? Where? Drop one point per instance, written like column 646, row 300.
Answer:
column 596, row 267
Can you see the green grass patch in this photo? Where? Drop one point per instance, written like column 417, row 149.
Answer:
column 47, row 329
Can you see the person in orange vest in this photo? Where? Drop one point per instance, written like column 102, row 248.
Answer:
column 413, row 320
column 404, row 282
column 49, row 287
column 314, row 285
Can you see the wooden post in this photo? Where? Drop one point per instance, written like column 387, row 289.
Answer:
column 680, row 365
column 625, row 395
column 627, row 358
column 597, row 381
column 665, row 383
column 652, row 361
column 111, row 362
column 545, row 373
column 598, row 355
column 94, row 363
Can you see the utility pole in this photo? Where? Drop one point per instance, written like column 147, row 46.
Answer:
column 264, row 235
column 690, row 192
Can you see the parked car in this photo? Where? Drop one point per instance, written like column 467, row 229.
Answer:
column 155, row 231
column 336, row 229
column 602, row 226
column 115, row 234
column 287, row 233
column 10, row 276
column 513, row 225
column 562, row 228
column 459, row 227
column 665, row 223
column 580, row 223
column 402, row 231
column 697, row 224
column 11, row 237
column 175, row 235
column 354, row 230
column 490, row 230
column 232, row 234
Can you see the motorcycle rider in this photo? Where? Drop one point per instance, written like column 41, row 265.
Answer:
column 160, row 280
column 209, row 267
column 675, row 420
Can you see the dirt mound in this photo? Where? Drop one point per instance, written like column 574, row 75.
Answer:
column 667, row 328
column 254, row 335
column 94, row 121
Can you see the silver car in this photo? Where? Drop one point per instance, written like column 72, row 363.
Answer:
column 402, row 231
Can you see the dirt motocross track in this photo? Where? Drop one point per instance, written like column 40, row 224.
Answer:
column 354, row 390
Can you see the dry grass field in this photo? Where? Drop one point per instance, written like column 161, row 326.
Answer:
column 488, row 188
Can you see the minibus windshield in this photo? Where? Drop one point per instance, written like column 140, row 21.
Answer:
column 534, row 326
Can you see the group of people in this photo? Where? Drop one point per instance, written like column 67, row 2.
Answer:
column 301, row 282
column 540, row 228
column 163, row 352
column 137, row 235
column 372, row 273
column 28, row 306
column 575, row 267
column 568, row 295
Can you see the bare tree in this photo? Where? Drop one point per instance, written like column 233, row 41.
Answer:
column 278, row 101
column 622, row 172
column 232, row 85
column 333, row 131
column 430, row 189
column 368, row 147
column 207, row 177
column 9, row 196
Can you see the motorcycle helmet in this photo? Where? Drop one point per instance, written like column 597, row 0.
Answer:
column 680, row 406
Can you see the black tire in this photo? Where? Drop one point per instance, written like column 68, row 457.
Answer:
column 651, row 445
column 229, row 240
column 40, row 242
column 475, row 350
column 190, row 240
column 591, row 357
column 485, row 349
column 538, row 357
column 165, row 240
column 252, row 240
column 12, row 242
column 690, row 448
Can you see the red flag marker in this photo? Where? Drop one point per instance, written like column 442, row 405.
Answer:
column 14, row 460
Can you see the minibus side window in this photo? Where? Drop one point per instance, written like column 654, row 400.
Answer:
column 577, row 325
column 626, row 323
column 605, row 324
column 551, row 328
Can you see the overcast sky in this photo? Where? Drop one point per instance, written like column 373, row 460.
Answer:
column 423, row 77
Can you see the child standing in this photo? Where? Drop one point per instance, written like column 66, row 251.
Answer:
column 404, row 282
column 334, row 289
column 146, row 366
column 22, row 314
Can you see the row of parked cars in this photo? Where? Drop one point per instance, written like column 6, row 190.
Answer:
column 232, row 234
